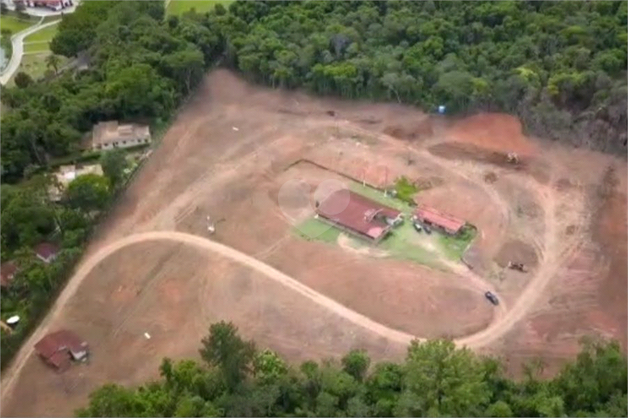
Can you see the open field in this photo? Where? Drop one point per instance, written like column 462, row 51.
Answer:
column 230, row 154
column 177, row 7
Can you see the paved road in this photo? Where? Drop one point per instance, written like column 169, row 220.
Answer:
column 18, row 49
column 476, row 340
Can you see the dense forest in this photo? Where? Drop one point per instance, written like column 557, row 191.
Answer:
column 234, row 379
column 560, row 66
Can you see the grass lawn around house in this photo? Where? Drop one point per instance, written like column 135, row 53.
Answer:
column 453, row 247
column 313, row 229
column 39, row 47
column 45, row 34
column 15, row 24
column 404, row 242
column 178, row 7
column 401, row 244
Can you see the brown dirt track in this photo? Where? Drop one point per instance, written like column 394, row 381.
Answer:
column 551, row 208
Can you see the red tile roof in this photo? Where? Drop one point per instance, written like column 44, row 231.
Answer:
column 444, row 220
column 46, row 249
column 55, row 348
column 7, row 270
column 356, row 213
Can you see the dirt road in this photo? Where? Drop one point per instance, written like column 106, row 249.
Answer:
column 488, row 335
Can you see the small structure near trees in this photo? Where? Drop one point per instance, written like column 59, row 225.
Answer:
column 7, row 273
column 46, row 252
column 58, row 349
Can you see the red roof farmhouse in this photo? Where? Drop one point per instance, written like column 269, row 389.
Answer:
column 60, row 347
column 358, row 215
column 444, row 221
column 51, row 4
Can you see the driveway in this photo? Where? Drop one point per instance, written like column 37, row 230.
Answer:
column 18, row 49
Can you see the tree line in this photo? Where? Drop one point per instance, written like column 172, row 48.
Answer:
column 560, row 66
column 234, row 378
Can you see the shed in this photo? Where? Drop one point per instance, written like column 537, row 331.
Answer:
column 430, row 216
column 46, row 251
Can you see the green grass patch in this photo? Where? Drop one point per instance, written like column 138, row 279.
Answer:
column 399, row 243
column 453, row 246
column 315, row 229
column 178, row 7
column 39, row 47
column 405, row 190
column 378, row 196
column 45, row 34
column 14, row 24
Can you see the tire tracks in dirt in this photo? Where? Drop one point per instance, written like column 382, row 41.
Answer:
column 239, row 257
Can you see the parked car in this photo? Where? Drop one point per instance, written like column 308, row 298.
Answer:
column 492, row 298
column 417, row 227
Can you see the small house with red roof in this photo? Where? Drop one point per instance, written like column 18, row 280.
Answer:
column 59, row 348
column 46, row 252
column 7, row 273
column 443, row 221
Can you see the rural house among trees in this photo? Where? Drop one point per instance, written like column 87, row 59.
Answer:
column 109, row 135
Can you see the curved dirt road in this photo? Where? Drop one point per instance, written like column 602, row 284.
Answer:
column 237, row 256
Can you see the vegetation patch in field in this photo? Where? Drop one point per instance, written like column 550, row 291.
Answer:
column 405, row 190
column 454, row 246
column 178, row 7
column 317, row 230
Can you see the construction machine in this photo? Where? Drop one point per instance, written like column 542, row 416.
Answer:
column 517, row 266
column 513, row 158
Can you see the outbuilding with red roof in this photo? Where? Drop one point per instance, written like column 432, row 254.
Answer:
column 443, row 221
column 358, row 215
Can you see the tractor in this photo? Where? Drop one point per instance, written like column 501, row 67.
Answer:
column 517, row 266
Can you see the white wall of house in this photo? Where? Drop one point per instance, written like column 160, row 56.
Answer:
column 125, row 143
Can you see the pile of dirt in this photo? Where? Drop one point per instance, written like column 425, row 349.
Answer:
column 499, row 132
column 472, row 152
column 490, row 177
column 518, row 252
column 426, row 183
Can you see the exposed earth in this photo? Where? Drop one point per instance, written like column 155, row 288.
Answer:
column 153, row 266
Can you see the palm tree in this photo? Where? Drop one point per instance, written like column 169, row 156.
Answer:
column 53, row 61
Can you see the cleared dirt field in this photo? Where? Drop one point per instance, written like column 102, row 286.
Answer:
column 227, row 156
